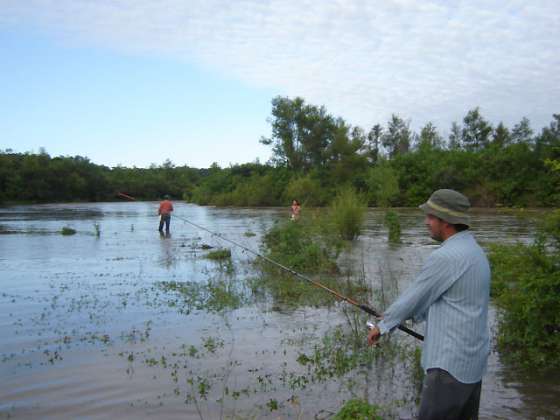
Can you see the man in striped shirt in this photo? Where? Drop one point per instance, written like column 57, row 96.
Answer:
column 451, row 295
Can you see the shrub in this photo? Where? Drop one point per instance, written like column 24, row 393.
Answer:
column 347, row 213
column 68, row 231
column 393, row 223
column 299, row 245
column 526, row 284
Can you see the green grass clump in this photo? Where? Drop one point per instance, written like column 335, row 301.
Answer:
column 219, row 254
column 302, row 246
column 358, row 410
column 347, row 213
column 68, row 231
column 393, row 223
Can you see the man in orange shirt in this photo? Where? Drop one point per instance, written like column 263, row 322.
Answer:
column 165, row 209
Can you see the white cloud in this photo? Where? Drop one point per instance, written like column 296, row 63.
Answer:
column 430, row 60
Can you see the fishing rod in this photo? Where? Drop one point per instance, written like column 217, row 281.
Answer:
column 340, row 296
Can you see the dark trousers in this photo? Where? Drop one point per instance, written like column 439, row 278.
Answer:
column 165, row 218
column 445, row 398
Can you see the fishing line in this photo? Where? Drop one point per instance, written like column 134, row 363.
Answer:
column 362, row 306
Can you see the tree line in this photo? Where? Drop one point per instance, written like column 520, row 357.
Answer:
column 314, row 155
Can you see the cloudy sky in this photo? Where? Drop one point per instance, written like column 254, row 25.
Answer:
column 135, row 82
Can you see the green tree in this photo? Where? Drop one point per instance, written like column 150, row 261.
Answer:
column 383, row 184
column 455, row 137
column 344, row 163
column 373, row 144
column 300, row 133
column 476, row 131
column 429, row 138
column 306, row 189
column 501, row 136
column 522, row 132
column 396, row 139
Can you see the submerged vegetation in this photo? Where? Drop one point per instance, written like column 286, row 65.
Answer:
column 216, row 295
column 526, row 286
column 358, row 409
column 68, row 231
column 219, row 254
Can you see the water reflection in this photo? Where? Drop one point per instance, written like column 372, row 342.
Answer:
column 167, row 257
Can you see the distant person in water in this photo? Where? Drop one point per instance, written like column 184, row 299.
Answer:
column 165, row 209
column 296, row 209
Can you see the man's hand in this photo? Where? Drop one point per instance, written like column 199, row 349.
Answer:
column 373, row 336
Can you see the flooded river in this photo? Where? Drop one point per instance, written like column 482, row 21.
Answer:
column 116, row 321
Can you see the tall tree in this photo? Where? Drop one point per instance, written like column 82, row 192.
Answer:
column 373, row 143
column 548, row 143
column 345, row 164
column 455, row 136
column 396, row 139
column 501, row 136
column 522, row 132
column 476, row 131
column 429, row 138
column 300, row 134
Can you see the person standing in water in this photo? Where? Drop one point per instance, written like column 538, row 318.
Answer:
column 165, row 209
column 296, row 209
column 451, row 295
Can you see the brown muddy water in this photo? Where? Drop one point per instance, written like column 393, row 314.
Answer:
column 128, row 324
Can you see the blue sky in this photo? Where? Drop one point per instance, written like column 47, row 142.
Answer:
column 137, row 82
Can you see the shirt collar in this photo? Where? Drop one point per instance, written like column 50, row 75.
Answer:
column 457, row 236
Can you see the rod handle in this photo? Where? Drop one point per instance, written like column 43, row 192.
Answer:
column 407, row 330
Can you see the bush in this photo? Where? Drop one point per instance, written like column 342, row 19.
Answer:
column 299, row 245
column 347, row 213
column 393, row 223
column 306, row 190
column 68, row 231
column 526, row 284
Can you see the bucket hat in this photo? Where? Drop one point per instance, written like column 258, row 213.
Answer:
column 448, row 205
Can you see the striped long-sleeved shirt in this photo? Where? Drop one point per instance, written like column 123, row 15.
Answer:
column 451, row 294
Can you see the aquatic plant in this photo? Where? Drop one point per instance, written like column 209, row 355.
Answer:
column 216, row 295
column 393, row 224
column 301, row 246
column 526, row 286
column 249, row 234
column 219, row 254
column 68, row 231
column 347, row 213
column 358, row 409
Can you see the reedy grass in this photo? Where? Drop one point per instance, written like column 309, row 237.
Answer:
column 347, row 213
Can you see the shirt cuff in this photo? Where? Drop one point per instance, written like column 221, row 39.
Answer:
column 383, row 328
